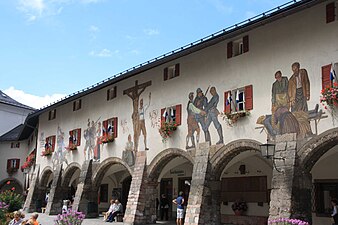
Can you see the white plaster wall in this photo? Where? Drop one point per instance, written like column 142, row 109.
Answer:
column 304, row 37
column 12, row 153
column 11, row 116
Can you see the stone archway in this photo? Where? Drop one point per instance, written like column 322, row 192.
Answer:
column 224, row 155
column 308, row 155
column 72, row 169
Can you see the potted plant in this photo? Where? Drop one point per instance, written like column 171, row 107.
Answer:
column 166, row 130
column 47, row 152
column 329, row 98
column 239, row 207
column 71, row 146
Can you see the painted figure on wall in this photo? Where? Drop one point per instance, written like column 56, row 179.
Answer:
column 59, row 155
column 142, row 112
column 212, row 114
column 89, row 135
column 201, row 102
column 134, row 93
column 290, row 94
column 128, row 153
column 97, row 149
column 193, row 126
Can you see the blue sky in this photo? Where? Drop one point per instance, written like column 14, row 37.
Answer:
column 51, row 48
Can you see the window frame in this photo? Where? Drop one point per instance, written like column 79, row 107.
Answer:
column 52, row 114
column 77, row 105
column 111, row 93
column 105, row 128
column 167, row 117
column 171, row 71
column 71, row 137
column 13, row 165
column 319, row 188
column 247, row 92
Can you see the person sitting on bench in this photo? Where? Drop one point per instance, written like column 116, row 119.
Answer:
column 116, row 210
column 111, row 207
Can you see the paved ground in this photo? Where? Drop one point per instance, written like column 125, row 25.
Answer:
column 49, row 220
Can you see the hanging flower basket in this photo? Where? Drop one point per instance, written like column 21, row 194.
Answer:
column 71, row 147
column 47, row 152
column 107, row 138
column 167, row 129
column 30, row 160
column 233, row 117
column 329, row 98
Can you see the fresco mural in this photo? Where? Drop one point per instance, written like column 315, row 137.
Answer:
column 289, row 109
column 155, row 118
column 138, row 114
column 59, row 155
column 202, row 112
column 91, row 140
column 124, row 125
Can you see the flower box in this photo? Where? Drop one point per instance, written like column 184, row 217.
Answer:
column 71, row 147
column 47, row 152
column 107, row 138
column 330, row 96
column 167, row 129
column 233, row 117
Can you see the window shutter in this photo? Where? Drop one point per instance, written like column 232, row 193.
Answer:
column 108, row 94
column 115, row 126
column 78, row 137
column 74, row 104
column 177, row 70
column 326, row 81
column 80, row 101
column 178, row 114
column 162, row 117
column 227, row 107
column 165, row 73
column 104, row 127
column 53, row 143
column 8, row 164
column 245, row 43
column 248, row 97
column 70, row 137
column 229, row 50
column 115, row 90
column 17, row 164
column 330, row 12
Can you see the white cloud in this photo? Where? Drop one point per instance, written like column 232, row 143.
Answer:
column 220, row 6
column 94, row 29
column 151, row 32
column 103, row 53
column 32, row 100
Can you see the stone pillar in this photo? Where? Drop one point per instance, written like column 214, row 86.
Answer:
column 203, row 208
column 86, row 195
column 54, row 204
column 33, row 193
column 282, row 182
column 136, row 206
column 301, row 201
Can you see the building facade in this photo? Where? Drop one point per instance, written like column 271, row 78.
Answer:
column 195, row 120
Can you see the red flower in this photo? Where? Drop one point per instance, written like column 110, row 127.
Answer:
column 8, row 182
column 13, row 188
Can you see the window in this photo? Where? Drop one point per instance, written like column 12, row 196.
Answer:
column 52, row 114
column 50, row 144
column 324, row 191
column 171, row 71
column 238, row 47
column 238, row 100
column 13, row 165
column 111, row 93
column 327, row 78
column 75, row 137
column 172, row 114
column 15, row 145
column 77, row 105
column 109, row 127
column 330, row 12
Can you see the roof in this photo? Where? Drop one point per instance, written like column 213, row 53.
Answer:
column 274, row 14
column 9, row 101
column 12, row 135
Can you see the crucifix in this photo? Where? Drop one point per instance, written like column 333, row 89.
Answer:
column 134, row 93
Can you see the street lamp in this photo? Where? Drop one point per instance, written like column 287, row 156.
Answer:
column 268, row 152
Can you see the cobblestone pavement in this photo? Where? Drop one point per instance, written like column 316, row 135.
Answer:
column 49, row 220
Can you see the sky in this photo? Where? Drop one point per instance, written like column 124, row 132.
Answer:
column 52, row 48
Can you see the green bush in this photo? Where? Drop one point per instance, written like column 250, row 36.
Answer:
column 13, row 200
column 3, row 211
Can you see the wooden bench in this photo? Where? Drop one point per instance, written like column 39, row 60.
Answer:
column 119, row 216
